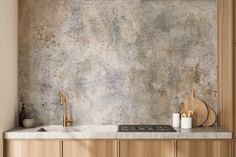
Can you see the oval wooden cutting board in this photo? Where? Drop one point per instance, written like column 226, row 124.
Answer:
column 198, row 107
column 211, row 118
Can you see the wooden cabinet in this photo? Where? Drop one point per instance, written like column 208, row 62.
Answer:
column 33, row 148
column 122, row 148
column 204, row 148
column 226, row 64
column 234, row 148
column 234, row 69
column 90, row 148
column 147, row 148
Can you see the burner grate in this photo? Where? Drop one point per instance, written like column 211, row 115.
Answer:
column 145, row 128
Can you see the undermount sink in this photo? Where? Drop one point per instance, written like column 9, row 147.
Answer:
column 84, row 128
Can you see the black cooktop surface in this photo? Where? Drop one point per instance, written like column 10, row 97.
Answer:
column 145, row 128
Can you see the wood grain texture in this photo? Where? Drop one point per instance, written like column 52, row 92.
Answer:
column 234, row 148
column 204, row 148
column 211, row 118
column 199, row 109
column 33, row 148
column 234, row 52
column 90, row 148
column 147, row 148
column 225, row 64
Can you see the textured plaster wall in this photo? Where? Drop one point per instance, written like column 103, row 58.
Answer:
column 119, row 61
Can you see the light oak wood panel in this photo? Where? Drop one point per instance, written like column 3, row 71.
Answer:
column 234, row 49
column 204, row 148
column 147, row 148
column 234, row 22
column 33, row 148
column 234, row 147
column 90, row 148
column 225, row 63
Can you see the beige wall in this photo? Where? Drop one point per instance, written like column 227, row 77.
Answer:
column 8, row 65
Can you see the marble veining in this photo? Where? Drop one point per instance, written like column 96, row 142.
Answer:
column 118, row 61
column 110, row 132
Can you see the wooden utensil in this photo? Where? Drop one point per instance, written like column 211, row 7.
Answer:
column 211, row 118
column 199, row 109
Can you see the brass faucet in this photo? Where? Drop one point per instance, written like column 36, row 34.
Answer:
column 66, row 117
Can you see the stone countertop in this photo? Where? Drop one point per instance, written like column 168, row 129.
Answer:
column 110, row 132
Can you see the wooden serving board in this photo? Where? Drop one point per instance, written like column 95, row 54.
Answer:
column 199, row 109
column 211, row 118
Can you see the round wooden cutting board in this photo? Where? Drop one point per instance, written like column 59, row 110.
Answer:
column 199, row 109
column 211, row 118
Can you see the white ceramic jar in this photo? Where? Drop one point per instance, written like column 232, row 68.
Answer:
column 186, row 122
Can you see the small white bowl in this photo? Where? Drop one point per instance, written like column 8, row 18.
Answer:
column 28, row 123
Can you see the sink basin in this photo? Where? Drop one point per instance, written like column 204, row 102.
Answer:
column 42, row 130
column 84, row 128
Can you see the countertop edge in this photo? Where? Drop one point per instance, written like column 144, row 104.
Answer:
column 110, row 132
column 118, row 136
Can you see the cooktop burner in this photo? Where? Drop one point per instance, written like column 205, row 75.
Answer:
column 145, row 128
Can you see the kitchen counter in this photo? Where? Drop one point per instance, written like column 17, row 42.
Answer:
column 110, row 132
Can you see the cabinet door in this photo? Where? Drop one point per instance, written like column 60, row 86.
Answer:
column 147, row 148
column 204, row 148
column 90, row 148
column 234, row 148
column 33, row 148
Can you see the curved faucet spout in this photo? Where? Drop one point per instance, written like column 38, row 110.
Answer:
column 66, row 117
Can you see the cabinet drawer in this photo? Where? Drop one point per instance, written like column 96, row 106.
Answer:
column 147, row 148
column 33, row 148
column 90, row 148
column 204, row 148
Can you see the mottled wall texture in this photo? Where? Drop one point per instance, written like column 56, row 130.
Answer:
column 118, row 61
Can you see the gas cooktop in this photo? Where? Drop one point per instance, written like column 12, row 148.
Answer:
column 145, row 128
